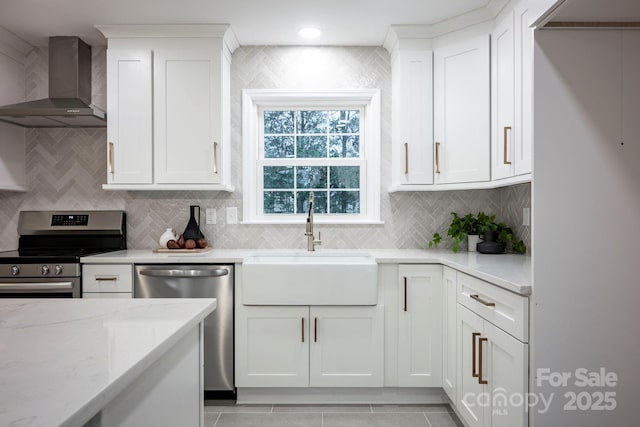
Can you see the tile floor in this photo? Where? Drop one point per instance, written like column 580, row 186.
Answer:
column 231, row 415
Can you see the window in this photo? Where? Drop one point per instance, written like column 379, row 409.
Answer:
column 295, row 143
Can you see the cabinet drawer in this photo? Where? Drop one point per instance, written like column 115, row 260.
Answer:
column 107, row 278
column 504, row 309
column 96, row 295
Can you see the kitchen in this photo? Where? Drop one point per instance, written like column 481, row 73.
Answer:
column 66, row 169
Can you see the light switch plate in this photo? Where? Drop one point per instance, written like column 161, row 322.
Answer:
column 211, row 215
column 232, row 215
column 526, row 217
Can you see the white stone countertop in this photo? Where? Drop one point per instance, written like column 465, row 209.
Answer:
column 63, row 360
column 509, row 271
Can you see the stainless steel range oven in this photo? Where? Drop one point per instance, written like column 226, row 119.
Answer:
column 47, row 261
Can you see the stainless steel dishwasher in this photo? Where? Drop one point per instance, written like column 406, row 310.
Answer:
column 199, row 281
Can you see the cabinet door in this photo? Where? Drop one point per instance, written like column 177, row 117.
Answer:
column 449, row 355
column 420, row 326
column 523, row 135
column 502, row 100
column 346, row 347
column 413, row 116
column 469, row 331
column 506, row 375
column 187, row 115
column 461, row 111
column 272, row 347
column 129, row 124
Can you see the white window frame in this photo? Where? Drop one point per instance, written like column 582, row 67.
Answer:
column 255, row 101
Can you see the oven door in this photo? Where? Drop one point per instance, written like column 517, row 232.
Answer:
column 66, row 287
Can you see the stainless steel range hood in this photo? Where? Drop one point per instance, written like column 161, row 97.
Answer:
column 69, row 102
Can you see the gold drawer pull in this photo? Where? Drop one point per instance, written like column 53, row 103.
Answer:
column 110, row 157
column 303, row 329
column 506, row 129
column 107, row 279
column 480, row 379
column 406, row 158
column 215, row 158
column 474, row 335
column 481, row 301
column 437, row 157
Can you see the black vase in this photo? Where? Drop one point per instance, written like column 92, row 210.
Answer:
column 490, row 244
column 193, row 227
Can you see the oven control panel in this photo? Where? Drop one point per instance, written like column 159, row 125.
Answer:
column 69, row 219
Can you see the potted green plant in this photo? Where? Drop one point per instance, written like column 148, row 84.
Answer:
column 481, row 224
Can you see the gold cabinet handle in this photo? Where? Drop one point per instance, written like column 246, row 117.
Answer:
column 110, row 157
column 315, row 329
column 303, row 329
column 480, row 379
column 405, row 294
column 476, row 297
column 106, row 279
column 215, row 158
column 406, row 158
column 437, row 157
column 504, row 138
column 474, row 372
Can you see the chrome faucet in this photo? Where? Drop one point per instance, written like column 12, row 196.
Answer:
column 311, row 241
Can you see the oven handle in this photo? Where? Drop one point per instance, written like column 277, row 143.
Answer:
column 185, row 273
column 35, row 286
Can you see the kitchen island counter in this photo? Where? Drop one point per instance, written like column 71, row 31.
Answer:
column 65, row 361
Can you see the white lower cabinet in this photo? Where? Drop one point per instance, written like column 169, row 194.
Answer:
column 107, row 281
column 301, row 346
column 492, row 371
column 449, row 343
column 272, row 346
column 420, row 326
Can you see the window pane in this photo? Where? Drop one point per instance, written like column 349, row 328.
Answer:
column 312, row 146
column 278, row 177
column 312, row 121
column 345, row 202
column 344, row 146
column 278, row 202
column 319, row 202
column 278, row 122
column 344, row 121
column 278, row 147
column 311, row 176
column 345, row 176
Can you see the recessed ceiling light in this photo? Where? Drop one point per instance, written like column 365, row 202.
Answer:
column 309, row 33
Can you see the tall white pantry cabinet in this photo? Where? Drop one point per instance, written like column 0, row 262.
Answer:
column 168, row 107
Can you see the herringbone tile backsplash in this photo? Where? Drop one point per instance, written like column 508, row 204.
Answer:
column 67, row 167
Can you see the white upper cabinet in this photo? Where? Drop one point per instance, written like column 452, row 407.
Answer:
column 461, row 111
column 512, row 54
column 412, row 115
column 130, row 116
column 168, row 97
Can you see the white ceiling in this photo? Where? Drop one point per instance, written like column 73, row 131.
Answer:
column 272, row 22
column 600, row 10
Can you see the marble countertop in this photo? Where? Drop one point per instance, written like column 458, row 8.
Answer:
column 63, row 360
column 509, row 271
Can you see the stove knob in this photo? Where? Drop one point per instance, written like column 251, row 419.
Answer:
column 59, row 269
column 15, row 270
column 45, row 270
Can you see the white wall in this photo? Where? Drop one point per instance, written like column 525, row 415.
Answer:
column 586, row 213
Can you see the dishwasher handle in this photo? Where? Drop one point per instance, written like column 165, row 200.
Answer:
column 185, row 273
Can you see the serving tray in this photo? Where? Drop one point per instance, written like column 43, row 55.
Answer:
column 183, row 251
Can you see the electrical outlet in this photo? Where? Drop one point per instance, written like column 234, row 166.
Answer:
column 211, row 215
column 232, row 215
column 526, row 217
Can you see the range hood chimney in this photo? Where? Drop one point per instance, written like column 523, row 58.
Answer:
column 69, row 102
